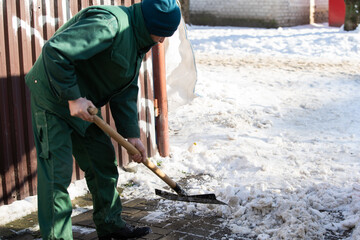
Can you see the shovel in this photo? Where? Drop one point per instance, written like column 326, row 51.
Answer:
column 181, row 194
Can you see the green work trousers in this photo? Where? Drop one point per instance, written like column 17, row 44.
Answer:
column 56, row 141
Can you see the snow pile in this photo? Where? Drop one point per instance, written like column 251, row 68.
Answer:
column 17, row 209
column 280, row 146
column 24, row 207
column 309, row 41
column 274, row 132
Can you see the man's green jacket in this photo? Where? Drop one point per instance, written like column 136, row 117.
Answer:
column 97, row 54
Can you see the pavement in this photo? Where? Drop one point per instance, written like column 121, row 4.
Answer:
column 186, row 227
column 142, row 212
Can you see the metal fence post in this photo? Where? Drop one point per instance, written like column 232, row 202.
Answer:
column 161, row 107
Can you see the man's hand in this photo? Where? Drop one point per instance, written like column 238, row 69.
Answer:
column 78, row 108
column 139, row 145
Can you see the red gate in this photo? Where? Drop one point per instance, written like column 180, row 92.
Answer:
column 336, row 13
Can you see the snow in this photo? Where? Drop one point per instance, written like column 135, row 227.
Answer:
column 274, row 132
column 310, row 41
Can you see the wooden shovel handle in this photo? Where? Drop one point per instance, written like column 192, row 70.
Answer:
column 129, row 147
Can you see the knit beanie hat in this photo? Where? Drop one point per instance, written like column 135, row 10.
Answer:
column 162, row 17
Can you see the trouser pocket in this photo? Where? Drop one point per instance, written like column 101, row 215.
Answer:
column 42, row 134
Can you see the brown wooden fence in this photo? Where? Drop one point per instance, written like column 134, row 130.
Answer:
column 24, row 27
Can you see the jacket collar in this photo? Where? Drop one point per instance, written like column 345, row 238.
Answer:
column 143, row 39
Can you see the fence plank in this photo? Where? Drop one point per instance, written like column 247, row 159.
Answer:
column 118, row 2
column 96, row 2
column 85, row 4
column 49, row 20
column 12, row 75
column 149, row 108
column 63, row 12
column 20, row 101
column 73, row 7
column 7, row 167
column 107, row 2
column 25, row 65
column 146, row 108
column 3, row 102
column 26, row 16
column 37, row 38
column 127, row 3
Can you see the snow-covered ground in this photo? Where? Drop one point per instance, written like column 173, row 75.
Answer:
column 274, row 131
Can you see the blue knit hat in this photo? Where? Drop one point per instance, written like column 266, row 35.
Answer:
column 162, row 17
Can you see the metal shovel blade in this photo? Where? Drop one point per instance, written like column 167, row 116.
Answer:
column 182, row 196
column 203, row 198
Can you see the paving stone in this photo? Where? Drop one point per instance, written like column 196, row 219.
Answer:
column 77, row 235
column 132, row 203
column 147, row 206
column 153, row 236
column 161, row 231
column 176, row 225
column 220, row 233
column 174, row 236
column 216, row 232
column 153, row 202
column 193, row 237
column 193, row 217
column 83, row 219
column 91, row 236
column 160, row 224
column 26, row 236
column 212, row 220
column 130, row 211
column 198, row 229
column 131, row 222
column 86, row 223
column 137, row 216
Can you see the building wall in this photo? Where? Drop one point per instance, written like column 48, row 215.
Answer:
column 321, row 11
column 260, row 13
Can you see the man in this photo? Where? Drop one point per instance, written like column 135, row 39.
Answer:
column 91, row 60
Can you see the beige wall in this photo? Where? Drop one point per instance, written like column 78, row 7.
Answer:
column 321, row 11
column 266, row 13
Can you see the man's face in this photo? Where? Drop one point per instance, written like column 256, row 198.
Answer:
column 157, row 38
